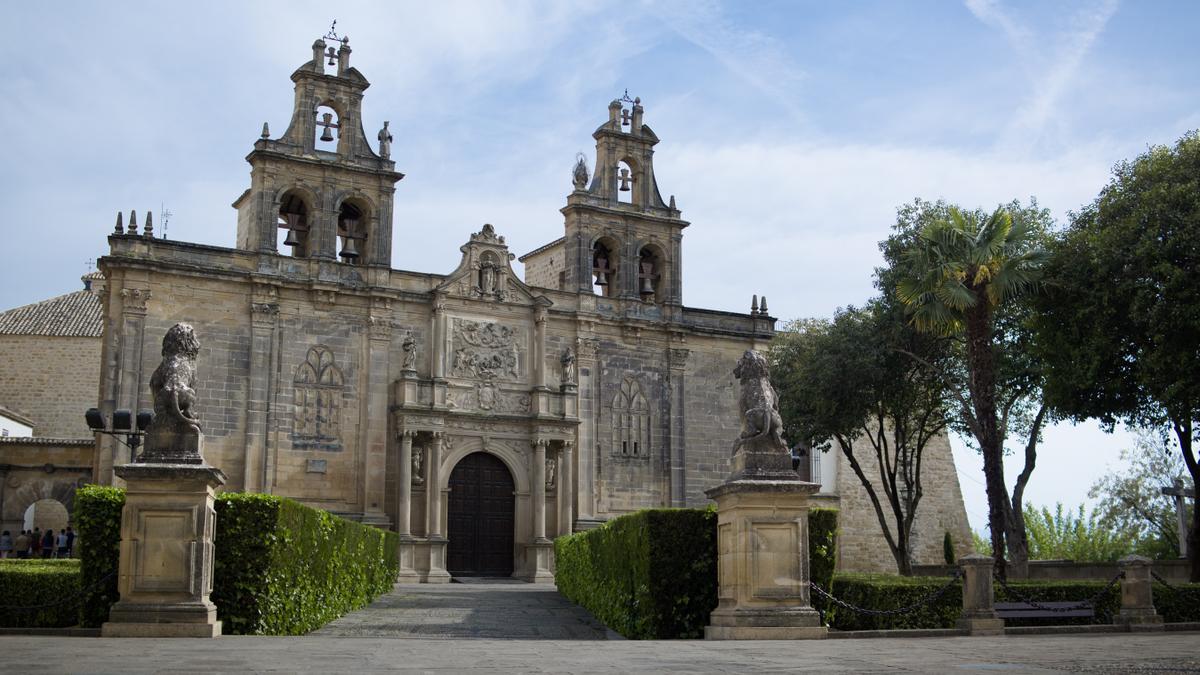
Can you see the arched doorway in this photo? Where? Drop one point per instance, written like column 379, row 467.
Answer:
column 480, row 526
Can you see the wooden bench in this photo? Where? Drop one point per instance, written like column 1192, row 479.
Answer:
column 1024, row 610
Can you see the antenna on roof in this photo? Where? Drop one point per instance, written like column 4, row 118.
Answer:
column 164, row 215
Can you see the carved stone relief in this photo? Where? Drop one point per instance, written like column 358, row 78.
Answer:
column 488, row 397
column 485, row 350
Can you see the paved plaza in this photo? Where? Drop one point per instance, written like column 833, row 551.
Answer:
column 504, row 627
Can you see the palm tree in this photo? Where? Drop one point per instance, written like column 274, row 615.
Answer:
column 963, row 268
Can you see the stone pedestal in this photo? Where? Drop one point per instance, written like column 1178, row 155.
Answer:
column 1137, row 597
column 408, row 573
column 166, row 564
column 978, row 611
column 537, row 562
column 762, row 548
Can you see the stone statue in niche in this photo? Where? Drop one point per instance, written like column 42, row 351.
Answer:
column 551, row 465
column 418, row 459
column 569, row 372
column 174, row 435
column 409, row 345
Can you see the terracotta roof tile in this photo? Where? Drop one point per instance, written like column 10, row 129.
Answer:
column 75, row 314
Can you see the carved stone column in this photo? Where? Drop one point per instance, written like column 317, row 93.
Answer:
column 566, row 489
column 129, row 369
column 540, row 402
column 264, row 312
column 404, row 477
column 433, row 512
column 978, row 611
column 585, row 353
column 676, row 428
column 373, row 411
column 539, row 551
column 1137, row 597
column 437, row 349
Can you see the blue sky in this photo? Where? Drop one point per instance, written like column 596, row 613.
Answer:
column 791, row 130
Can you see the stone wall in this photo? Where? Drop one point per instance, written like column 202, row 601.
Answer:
column 861, row 544
column 52, row 380
column 35, row 469
column 543, row 269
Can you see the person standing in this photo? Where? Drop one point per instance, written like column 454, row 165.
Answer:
column 70, row 542
column 60, row 544
column 6, row 544
column 35, row 543
column 22, row 544
column 48, row 543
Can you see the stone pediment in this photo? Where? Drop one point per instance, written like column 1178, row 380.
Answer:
column 486, row 274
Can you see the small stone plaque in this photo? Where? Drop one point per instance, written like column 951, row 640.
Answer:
column 316, row 466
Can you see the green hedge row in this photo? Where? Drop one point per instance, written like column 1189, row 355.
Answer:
column 892, row 592
column 280, row 568
column 653, row 574
column 52, row 585
column 98, row 540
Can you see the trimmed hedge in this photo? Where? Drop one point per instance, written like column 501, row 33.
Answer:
column 98, row 540
column 33, row 582
column 280, row 568
column 647, row 575
column 891, row 592
column 653, row 574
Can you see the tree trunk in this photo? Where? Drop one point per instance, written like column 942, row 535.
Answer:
column 981, row 368
column 1018, row 542
column 1183, row 432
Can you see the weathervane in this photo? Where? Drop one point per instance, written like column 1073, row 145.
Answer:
column 332, row 34
column 626, row 98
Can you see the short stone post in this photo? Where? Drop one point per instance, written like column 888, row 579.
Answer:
column 762, row 528
column 1137, row 598
column 978, row 611
column 165, row 573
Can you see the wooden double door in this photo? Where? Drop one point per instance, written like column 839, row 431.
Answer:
column 480, row 523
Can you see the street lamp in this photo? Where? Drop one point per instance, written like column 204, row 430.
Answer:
column 122, row 426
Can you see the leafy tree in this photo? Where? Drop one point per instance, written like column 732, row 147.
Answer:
column 968, row 274
column 1132, row 498
column 848, row 382
column 1119, row 324
column 1067, row 535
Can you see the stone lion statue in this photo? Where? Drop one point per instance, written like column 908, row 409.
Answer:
column 174, row 433
column 762, row 426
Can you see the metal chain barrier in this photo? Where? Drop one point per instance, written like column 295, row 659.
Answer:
column 1086, row 604
column 1164, row 582
column 928, row 599
column 76, row 599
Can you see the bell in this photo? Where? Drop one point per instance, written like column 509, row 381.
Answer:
column 349, row 248
column 327, row 135
column 332, row 55
column 601, row 278
column 647, row 286
column 292, row 239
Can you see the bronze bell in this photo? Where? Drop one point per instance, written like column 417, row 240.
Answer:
column 292, row 239
column 349, row 248
column 327, row 135
column 647, row 286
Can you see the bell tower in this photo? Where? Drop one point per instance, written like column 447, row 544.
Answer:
column 320, row 191
column 622, row 240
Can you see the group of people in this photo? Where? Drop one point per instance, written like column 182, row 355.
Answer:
column 37, row 544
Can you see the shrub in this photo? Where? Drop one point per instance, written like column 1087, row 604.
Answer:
column 883, row 592
column 1177, row 603
column 53, row 584
column 653, row 574
column 822, row 550
column 98, row 541
column 948, row 548
column 1106, row 606
column 282, row 568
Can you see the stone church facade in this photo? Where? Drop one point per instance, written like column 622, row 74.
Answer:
column 476, row 413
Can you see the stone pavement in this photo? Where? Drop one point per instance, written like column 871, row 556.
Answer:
column 478, row 608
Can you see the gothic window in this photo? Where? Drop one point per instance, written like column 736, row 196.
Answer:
column 352, row 231
column 604, row 268
column 293, row 225
column 631, row 421
column 318, row 401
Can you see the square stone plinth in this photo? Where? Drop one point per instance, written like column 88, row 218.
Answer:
column 762, row 561
column 166, row 563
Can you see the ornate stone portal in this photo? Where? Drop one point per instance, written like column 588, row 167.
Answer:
column 166, row 563
column 762, row 527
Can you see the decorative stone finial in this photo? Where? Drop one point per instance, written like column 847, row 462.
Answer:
column 132, row 222
column 754, row 304
column 120, row 228
column 266, row 132
column 148, row 230
column 673, row 203
column 580, row 175
column 762, row 306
